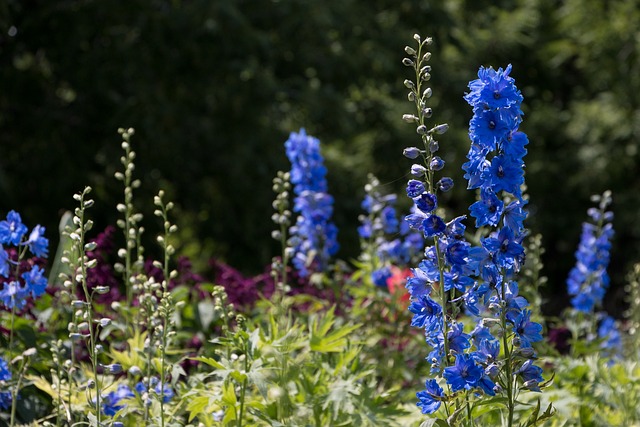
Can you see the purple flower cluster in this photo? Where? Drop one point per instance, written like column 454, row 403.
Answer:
column 314, row 236
column 385, row 239
column 21, row 278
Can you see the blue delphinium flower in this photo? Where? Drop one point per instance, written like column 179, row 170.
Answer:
column 5, row 375
column 496, row 167
column 588, row 279
column 168, row 394
column 314, row 236
column 16, row 284
column 113, row 401
column 37, row 243
column 611, row 337
column 13, row 294
column 384, row 240
column 428, row 399
column 12, row 229
column 464, row 374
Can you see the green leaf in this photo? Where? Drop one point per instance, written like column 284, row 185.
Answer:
column 229, row 394
column 198, row 405
column 209, row 361
column 322, row 340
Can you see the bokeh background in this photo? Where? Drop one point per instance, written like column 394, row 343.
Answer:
column 213, row 88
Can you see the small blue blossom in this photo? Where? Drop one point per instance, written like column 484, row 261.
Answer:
column 489, row 127
column 531, row 375
column 415, row 188
column 493, row 89
column 113, row 402
column 464, row 374
column 458, row 340
column 37, row 243
column 428, row 399
column 14, row 295
column 426, row 313
column 433, row 226
column 426, row 202
column 513, row 145
column 12, row 229
column 380, row 276
column 611, row 338
column 504, row 174
column 526, row 331
column 488, row 210
column 35, row 281
column 514, row 215
column 506, row 251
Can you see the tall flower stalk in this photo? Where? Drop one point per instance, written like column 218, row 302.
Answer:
column 588, row 281
column 166, row 307
column 314, row 235
column 132, row 262
column 495, row 358
column 282, row 219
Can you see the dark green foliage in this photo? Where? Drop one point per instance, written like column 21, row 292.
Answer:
column 214, row 87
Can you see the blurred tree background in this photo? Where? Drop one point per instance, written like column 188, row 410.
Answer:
column 213, row 88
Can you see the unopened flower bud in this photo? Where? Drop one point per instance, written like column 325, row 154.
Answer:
column 409, row 50
column 102, row 290
column 436, row 163
column 440, row 129
column 418, row 170
column 445, row 184
column 411, row 152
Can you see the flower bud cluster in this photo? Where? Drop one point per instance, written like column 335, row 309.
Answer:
column 313, row 236
column 131, row 263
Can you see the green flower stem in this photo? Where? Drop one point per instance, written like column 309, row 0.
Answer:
column 507, row 356
column 88, row 297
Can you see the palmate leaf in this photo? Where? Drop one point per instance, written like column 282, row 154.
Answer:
column 322, row 340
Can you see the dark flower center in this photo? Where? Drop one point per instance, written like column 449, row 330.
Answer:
column 492, row 124
column 500, row 172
